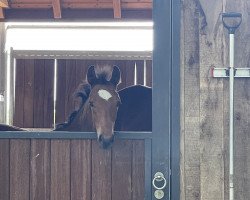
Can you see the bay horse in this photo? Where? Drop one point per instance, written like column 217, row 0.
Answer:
column 98, row 110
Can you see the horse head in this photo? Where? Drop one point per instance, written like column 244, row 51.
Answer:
column 104, row 102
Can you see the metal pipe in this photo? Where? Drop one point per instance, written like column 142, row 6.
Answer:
column 231, row 121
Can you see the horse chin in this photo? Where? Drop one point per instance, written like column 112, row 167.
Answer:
column 106, row 143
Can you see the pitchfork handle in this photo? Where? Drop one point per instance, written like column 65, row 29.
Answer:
column 231, row 29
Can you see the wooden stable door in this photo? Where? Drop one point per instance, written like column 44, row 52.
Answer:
column 62, row 166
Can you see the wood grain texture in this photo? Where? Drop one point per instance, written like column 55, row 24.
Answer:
column 138, row 172
column 40, row 169
column 191, row 109
column 211, row 105
column 149, row 73
column 19, row 94
column 60, row 95
column 117, row 9
column 56, row 4
column 4, row 3
column 81, row 169
column 49, row 94
column 39, row 93
column 1, row 13
column 28, row 120
column 122, row 170
column 4, row 169
column 101, row 173
column 19, row 169
column 60, row 169
column 140, row 72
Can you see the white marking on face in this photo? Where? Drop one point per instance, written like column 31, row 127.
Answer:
column 104, row 94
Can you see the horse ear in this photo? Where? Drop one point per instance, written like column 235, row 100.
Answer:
column 91, row 76
column 116, row 76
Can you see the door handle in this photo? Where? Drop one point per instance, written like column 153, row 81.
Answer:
column 159, row 181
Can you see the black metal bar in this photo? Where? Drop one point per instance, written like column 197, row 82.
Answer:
column 69, row 135
column 148, row 169
column 175, row 103
column 162, row 56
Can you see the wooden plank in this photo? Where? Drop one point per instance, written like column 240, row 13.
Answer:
column 122, row 159
column 60, row 95
column 56, row 4
column 149, row 73
column 1, row 13
column 117, row 9
column 4, row 4
column 101, row 173
column 130, row 73
column 140, row 72
column 211, row 102
column 40, row 169
column 81, row 169
column 28, row 120
column 70, row 86
column 138, row 173
column 4, row 169
column 19, row 169
column 49, row 94
column 191, row 109
column 60, row 169
column 19, row 94
column 39, row 82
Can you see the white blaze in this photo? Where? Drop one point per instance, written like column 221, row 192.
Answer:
column 104, row 94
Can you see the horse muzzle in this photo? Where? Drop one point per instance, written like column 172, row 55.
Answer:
column 106, row 142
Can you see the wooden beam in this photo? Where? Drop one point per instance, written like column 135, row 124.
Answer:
column 117, row 8
column 57, row 8
column 1, row 13
column 4, row 4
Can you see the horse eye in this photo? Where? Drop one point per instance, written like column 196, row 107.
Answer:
column 91, row 104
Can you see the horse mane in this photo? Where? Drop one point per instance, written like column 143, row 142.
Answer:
column 82, row 91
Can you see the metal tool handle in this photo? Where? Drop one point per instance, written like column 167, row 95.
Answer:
column 231, row 15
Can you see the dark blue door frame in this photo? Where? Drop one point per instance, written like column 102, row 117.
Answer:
column 166, row 95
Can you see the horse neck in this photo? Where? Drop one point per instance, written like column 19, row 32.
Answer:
column 83, row 120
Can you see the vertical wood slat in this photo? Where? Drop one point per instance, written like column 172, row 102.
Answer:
column 149, row 73
column 49, row 94
column 39, row 83
column 60, row 96
column 19, row 169
column 122, row 170
column 117, row 9
column 4, row 169
column 101, row 173
column 140, row 72
column 60, row 169
column 81, row 169
column 130, row 73
column 70, row 86
column 19, row 93
column 138, row 172
column 40, row 169
column 28, row 94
